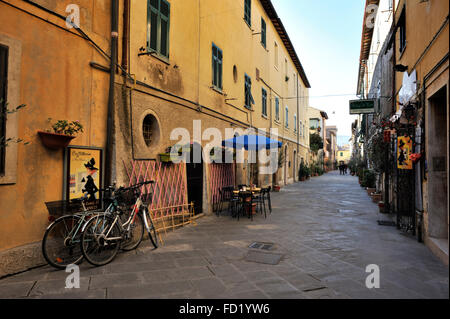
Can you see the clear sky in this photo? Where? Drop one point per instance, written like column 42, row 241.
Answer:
column 327, row 37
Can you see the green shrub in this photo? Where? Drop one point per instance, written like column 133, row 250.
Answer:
column 368, row 179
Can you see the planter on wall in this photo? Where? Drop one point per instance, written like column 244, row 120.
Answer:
column 165, row 158
column 55, row 141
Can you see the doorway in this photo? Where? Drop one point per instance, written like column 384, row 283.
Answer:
column 194, row 177
column 438, row 165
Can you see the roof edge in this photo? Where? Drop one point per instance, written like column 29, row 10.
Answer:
column 271, row 12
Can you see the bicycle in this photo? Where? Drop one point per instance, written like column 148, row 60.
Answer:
column 102, row 237
column 61, row 241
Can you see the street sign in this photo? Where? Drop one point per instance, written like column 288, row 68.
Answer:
column 362, row 106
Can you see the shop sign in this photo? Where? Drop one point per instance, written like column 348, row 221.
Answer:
column 362, row 106
column 404, row 151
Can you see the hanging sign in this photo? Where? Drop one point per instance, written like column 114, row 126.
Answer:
column 362, row 106
column 404, row 151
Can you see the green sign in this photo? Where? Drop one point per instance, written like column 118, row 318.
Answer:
column 362, row 106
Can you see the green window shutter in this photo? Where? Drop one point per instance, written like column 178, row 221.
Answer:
column 287, row 117
column 158, row 25
column 263, row 32
column 248, row 92
column 264, row 102
column 165, row 15
column 248, row 12
column 277, row 109
column 217, row 57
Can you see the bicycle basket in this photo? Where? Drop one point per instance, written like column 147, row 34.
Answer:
column 70, row 207
column 63, row 207
column 126, row 197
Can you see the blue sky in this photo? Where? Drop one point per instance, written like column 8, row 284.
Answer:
column 327, row 35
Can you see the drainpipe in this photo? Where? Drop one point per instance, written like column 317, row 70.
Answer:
column 110, row 169
column 126, row 21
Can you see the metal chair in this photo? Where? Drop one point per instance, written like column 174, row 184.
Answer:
column 260, row 201
column 246, row 204
column 229, row 197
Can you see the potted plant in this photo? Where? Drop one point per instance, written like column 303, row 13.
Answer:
column 166, row 156
column 370, row 190
column 376, row 197
column 63, row 133
column 303, row 172
column 381, row 207
column 276, row 188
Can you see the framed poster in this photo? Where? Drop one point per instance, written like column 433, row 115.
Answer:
column 404, row 151
column 84, row 173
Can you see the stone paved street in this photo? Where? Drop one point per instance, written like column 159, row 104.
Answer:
column 326, row 228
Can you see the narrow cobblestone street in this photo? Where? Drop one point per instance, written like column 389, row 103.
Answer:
column 325, row 228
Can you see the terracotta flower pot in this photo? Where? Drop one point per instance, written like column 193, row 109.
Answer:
column 55, row 141
column 376, row 198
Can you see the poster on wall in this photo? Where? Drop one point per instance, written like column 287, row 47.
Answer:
column 84, row 174
column 404, row 151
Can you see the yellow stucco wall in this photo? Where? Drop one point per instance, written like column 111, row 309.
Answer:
column 343, row 156
column 429, row 16
column 187, row 74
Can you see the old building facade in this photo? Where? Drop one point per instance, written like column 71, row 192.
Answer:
column 409, row 82
column 138, row 71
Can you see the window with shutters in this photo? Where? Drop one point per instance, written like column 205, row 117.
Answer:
column 402, row 31
column 263, row 33
column 248, row 11
column 277, row 109
column 217, row 59
column 264, row 102
column 248, row 92
column 287, row 117
column 158, row 23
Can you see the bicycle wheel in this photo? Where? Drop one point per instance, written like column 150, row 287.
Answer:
column 134, row 237
column 61, row 242
column 100, row 240
column 151, row 229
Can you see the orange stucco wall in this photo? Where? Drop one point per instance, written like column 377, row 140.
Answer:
column 56, row 82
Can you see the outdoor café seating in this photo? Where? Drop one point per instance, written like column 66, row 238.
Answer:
column 245, row 201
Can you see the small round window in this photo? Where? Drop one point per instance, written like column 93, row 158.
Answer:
column 150, row 130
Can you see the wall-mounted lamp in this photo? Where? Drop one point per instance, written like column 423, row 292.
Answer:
column 400, row 68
